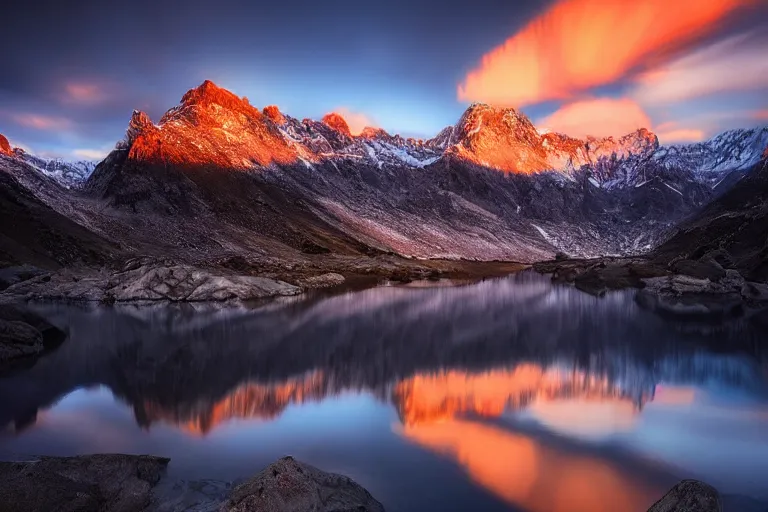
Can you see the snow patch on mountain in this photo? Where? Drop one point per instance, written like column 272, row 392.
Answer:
column 729, row 151
column 67, row 174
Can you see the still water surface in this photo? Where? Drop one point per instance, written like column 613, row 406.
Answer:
column 507, row 394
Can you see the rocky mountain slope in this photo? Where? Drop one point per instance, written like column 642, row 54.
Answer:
column 68, row 174
column 735, row 225
column 217, row 178
column 35, row 233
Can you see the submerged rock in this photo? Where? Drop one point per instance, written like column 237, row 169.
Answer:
column 291, row 486
column 109, row 483
column 689, row 496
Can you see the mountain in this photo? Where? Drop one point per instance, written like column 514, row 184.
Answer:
column 217, row 178
column 68, row 174
column 505, row 139
column 490, row 187
column 34, row 232
column 733, row 226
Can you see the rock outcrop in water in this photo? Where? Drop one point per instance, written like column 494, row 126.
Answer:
column 689, row 496
column 129, row 483
column 149, row 280
column 292, row 486
column 124, row 483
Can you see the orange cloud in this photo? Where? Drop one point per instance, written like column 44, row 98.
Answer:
column 762, row 115
column 578, row 44
column 40, row 122
column 356, row 121
column 84, row 93
column 602, row 117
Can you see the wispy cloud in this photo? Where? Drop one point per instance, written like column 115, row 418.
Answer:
column 84, row 93
column 735, row 64
column 580, row 44
column 42, row 122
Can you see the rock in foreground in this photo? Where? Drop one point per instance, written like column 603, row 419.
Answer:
column 24, row 334
column 689, row 496
column 291, row 486
column 114, row 483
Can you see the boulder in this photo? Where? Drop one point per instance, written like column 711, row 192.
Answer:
column 19, row 339
column 291, row 486
column 24, row 334
column 755, row 291
column 149, row 280
column 601, row 278
column 190, row 284
column 108, row 483
column 689, row 496
column 16, row 274
column 705, row 268
column 678, row 285
column 721, row 256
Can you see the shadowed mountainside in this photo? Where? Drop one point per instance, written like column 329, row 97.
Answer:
column 736, row 222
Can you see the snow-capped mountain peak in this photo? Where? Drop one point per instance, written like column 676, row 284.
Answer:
column 66, row 173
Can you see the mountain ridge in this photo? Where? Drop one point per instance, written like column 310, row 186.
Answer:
column 216, row 177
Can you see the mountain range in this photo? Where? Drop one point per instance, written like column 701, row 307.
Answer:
column 216, row 180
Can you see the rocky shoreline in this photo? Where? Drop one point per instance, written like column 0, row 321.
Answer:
column 704, row 288
column 129, row 483
column 132, row 483
column 235, row 279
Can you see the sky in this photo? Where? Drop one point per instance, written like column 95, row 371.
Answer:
column 686, row 69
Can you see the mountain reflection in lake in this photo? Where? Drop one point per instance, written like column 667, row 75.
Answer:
column 507, row 394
